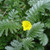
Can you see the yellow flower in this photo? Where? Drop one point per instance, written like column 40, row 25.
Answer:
column 26, row 25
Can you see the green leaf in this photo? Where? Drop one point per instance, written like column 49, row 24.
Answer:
column 1, row 1
column 15, row 45
column 31, row 2
column 33, row 12
column 48, row 23
column 6, row 25
column 43, row 38
column 27, row 42
column 37, row 28
column 39, row 47
column 9, row 48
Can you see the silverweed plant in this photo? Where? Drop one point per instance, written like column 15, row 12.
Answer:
column 24, row 24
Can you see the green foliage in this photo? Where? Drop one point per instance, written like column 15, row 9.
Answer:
column 12, row 13
column 48, row 23
column 4, row 41
column 14, row 4
column 16, row 45
column 37, row 28
column 6, row 25
column 38, row 47
column 27, row 42
column 31, row 2
column 33, row 12
column 37, row 31
column 1, row 16
column 1, row 1
column 43, row 38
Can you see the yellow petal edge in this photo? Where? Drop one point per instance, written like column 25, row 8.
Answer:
column 26, row 25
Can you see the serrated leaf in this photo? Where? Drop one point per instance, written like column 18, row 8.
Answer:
column 43, row 38
column 37, row 28
column 15, row 45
